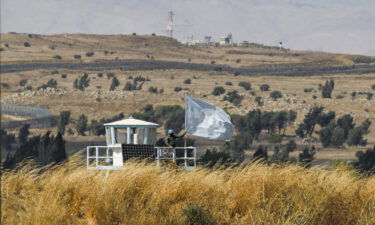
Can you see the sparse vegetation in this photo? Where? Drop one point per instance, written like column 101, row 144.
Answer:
column 264, row 87
column 245, row 85
column 218, row 91
column 233, row 97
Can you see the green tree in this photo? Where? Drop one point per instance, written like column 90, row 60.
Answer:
column 218, row 91
column 114, row 84
column 81, row 125
column 24, row 133
column 275, row 95
column 64, row 120
column 306, row 158
column 338, row 137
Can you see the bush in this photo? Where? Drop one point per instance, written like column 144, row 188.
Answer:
column 57, row 57
column 264, row 87
column 89, row 54
column 245, row 85
column 23, row 82
column 1, row 49
column 259, row 101
column 100, row 75
column 369, row 96
column 141, row 79
column 366, row 161
column 238, row 60
column 327, row 89
column 237, row 73
column 373, row 87
column 81, row 125
column 233, row 97
column 153, row 90
column 218, row 91
column 306, row 158
column 211, row 158
column 261, row 153
column 276, row 95
column 291, row 146
column 50, row 84
column 64, row 76
column 114, row 84
column 274, row 138
column 212, row 61
column 307, row 90
column 177, row 89
column 26, row 44
column 187, row 81
column 110, row 75
column 82, row 83
column 54, row 72
column 77, row 56
column 228, row 83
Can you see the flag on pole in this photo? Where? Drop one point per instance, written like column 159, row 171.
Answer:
column 205, row 120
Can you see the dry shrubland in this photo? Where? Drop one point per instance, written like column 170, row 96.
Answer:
column 143, row 194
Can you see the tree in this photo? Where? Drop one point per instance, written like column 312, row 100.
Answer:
column 325, row 134
column 275, row 95
column 264, row 87
column 327, row 89
column 56, row 151
column 6, row 140
column 218, row 91
column 261, row 153
column 259, row 101
column 115, row 83
column 355, row 137
column 338, row 137
column 254, row 123
column 64, row 120
column 233, row 97
column 306, row 158
column 81, row 125
column 211, row 158
column 346, row 123
column 291, row 146
column 366, row 161
column 312, row 118
column 245, row 85
column 24, row 133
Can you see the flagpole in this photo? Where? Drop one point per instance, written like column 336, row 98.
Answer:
column 185, row 97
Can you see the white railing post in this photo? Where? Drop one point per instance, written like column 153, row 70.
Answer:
column 195, row 158
column 174, row 155
column 185, row 156
column 97, row 156
column 87, row 156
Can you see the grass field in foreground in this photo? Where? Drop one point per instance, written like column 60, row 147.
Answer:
column 142, row 194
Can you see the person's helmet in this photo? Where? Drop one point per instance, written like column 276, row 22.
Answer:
column 170, row 131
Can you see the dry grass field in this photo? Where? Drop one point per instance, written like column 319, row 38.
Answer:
column 142, row 194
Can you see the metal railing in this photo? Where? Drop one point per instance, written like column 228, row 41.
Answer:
column 102, row 157
column 184, row 157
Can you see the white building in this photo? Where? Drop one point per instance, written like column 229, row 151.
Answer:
column 133, row 138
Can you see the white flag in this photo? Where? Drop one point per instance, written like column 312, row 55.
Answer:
column 205, row 120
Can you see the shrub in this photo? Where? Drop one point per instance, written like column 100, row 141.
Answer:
column 23, row 82
column 82, row 83
column 140, row 79
column 177, row 89
column 50, row 84
column 264, row 87
column 238, row 60
column 1, row 49
column 274, row 138
column 327, row 89
column 307, row 90
column 218, row 68
column 81, row 125
column 134, row 34
column 373, row 87
column 89, row 54
column 29, row 87
column 54, row 72
column 114, row 84
column 237, row 73
column 259, row 101
column 100, row 75
column 291, row 146
column 57, row 57
column 233, row 97
column 261, row 153
column 153, row 90
column 339, row 97
column 245, row 85
column 307, row 156
column 26, row 44
column 77, row 56
column 211, row 158
column 212, row 61
column 228, row 83
column 64, row 76
column 218, row 91
column 187, row 81
column 369, row 96
column 275, row 95
column 366, row 161
column 110, row 75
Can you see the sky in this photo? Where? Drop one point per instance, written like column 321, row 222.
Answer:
column 342, row 26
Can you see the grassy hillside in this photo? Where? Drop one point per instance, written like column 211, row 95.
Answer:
column 142, row 194
column 108, row 47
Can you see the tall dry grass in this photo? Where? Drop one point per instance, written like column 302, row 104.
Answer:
column 142, row 194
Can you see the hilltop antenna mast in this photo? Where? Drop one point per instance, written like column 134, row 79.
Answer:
column 170, row 24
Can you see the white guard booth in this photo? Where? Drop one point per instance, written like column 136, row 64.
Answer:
column 133, row 138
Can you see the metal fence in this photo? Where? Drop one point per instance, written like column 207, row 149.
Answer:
column 40, row 118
